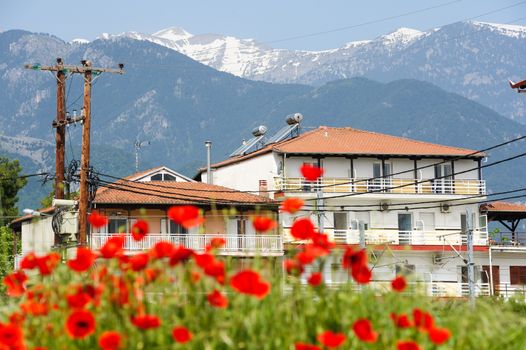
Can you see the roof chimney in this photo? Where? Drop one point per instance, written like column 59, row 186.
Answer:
column 208, row 145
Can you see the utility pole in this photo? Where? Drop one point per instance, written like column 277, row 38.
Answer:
column 470, row 263
column 361, row 228
column 58, row 123
column 87, row 71
column 138, row 144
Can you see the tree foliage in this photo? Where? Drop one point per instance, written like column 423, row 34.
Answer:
column 10, row 184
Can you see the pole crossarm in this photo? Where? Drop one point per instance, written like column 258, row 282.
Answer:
column 74, row 69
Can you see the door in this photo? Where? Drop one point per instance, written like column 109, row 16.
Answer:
column 443, row 182
column 464, row 229
column 496, row 277
column 340, row 227
column 405, row 228
column 387, row 176
column 376, row 182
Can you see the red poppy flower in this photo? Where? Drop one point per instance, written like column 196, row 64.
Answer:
column 139, row 230
column 331, row 340
column 291, row 205
column 84, row 260
column 399, row 284
column 401, row 321
column 309, row 254
column 139, row 261
column 293, row 267
column 321, row 240
column 249, row 282
column 352, row 258
column 216, row 270
column 263, row 223
column 79, row 299
column 162, row 249
column 186, row 216
column 361, row 274
column 181, row 334
column 315, row 279
column 407, row 345
column 217, row 242
column 305, row 346
column 47, row 263
column 302, row 228
column 439, row 335
column 80, row 324
column 180, row 254
column 34, row 308
column 11, row 336
column 364, row 330
column 110, row 340
column 15, row 283
column 145, row 322
column 97, row 220
column 423, row 320
column 217, row 299
column 311, row 172
column 29, row 261
column 113, row 247
column 204, row 259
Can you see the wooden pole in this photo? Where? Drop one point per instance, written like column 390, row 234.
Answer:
column 60, row 135
column 85, row 157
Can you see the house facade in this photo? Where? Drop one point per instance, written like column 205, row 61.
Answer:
column 413, row 201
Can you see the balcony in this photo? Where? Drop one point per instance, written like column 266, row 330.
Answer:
column 397, row 186
column 508, row 239
column 240, row 245
column 416, row 237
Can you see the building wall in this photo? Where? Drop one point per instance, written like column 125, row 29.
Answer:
column 37, row 235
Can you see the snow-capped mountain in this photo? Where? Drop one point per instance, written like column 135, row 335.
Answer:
column 474, row 59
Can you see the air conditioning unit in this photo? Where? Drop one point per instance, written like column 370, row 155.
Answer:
column 445, row 208
column 384, row 206
column 437, row 258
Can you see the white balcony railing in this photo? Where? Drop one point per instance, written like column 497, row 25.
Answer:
column 396, row 237
column 397, row 186
column 239, row 245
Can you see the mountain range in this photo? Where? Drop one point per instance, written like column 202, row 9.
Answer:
column 177, row 103
column 473, row 59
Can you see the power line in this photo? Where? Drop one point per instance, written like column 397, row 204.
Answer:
column 23, row 176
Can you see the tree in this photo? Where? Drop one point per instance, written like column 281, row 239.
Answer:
column 10, row 184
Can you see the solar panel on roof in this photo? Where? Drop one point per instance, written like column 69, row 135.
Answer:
column 283, row 133
column 243, row 149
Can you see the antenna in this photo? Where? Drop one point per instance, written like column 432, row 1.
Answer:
column 293, row 124
column 138, row 144
column 258, row 133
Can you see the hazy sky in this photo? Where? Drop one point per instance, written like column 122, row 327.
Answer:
column 265, row 21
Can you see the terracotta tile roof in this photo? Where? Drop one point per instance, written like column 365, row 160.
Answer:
column 48, row 210
column 173, row 193
column 329, row 140
column 503, row 207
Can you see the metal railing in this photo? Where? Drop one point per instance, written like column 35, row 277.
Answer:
column 508, row 290
column 240, row 245
column 396, row 237
column 388, row 185
column 507, row 239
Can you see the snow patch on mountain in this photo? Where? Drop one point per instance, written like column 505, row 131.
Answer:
column 402, row 36
column 514, row 31
column 80, row 41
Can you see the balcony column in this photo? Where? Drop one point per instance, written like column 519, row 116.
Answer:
column 479, row 171
column 415, row 173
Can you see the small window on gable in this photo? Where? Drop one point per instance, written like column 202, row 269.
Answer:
column 157, row 177
column 168, row 177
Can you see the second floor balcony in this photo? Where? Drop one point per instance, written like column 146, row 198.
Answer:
column 235, row 245
column 387, row 185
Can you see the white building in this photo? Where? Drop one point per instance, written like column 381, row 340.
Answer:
column 412, row 197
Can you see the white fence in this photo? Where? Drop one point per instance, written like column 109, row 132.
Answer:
column 360, row 185
column 239, row 245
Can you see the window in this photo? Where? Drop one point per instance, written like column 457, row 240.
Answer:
column 117, row 225
column 174, row 228
column 518, row 274
column 382, row 176
column 157, row 177
column 168, row 177
column 340, row 221
column 443, row 182
column 163, row 177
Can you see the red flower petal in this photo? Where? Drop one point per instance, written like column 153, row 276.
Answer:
column 15, row 283
column 139, row 229
column 84, row 260
column 311, row 172
column 113, row 247
column 162, row 249
column 217, row 299
column 423, row 320
column 331, row 340
column 181, row 334
column 145, row 322
column 110, row 340
column 180, row 254
column 315, row 279
column 361, row 274
column 263, row 224
column 11, row 336
column 139, row 261
column 401, row 321
column 80, row 324
column 291, row 205
column 439, row 335
column 249, row 282
column 305, row 346
column 399, row 284
column 97, row 220
column 185, row 215
column 302, row 228
column 47, row 263
column 364, row 331
column 407, row 345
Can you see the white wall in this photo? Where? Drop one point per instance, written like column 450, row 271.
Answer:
column 37, row 235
